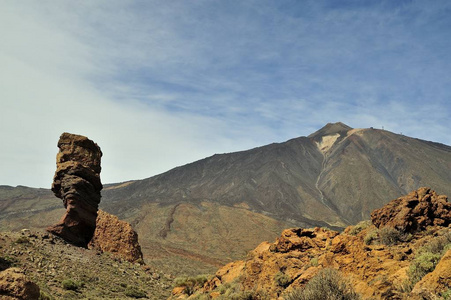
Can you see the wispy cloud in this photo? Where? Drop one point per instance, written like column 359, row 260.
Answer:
column 158, row 84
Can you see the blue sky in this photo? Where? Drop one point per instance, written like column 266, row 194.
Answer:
column 158, row 84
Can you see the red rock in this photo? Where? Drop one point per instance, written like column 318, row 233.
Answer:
column 415, row 211
column 15, row 285
column 116, row 237
column 374, row 271
column 77, row 183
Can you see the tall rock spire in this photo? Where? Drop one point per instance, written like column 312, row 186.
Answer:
column 77, row 183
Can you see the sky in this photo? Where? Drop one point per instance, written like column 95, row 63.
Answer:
column 159, row 84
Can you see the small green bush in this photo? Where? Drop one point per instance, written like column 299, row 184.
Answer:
column 359, row 227
column 282, row 279
column 328, row 284
column 70, row 285
column 446, row 295
column 426, row 259
column 437, row 245
column 201, row 297
column 22, row 240
column 314, row 262
column 370, row 237
column 390, row 236
column 134, row 292
column 43, row 296
column 191, row 284
column 423, row 264
column 123, row 284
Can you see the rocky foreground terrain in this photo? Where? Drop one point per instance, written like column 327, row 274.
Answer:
column 403, row 253
column 36, row 264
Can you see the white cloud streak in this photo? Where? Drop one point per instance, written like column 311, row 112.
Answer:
column 159, row 84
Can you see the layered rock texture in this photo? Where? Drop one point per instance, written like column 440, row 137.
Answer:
column 379, row 263
column 116, row 237
column 77, row 183
column 415, row 211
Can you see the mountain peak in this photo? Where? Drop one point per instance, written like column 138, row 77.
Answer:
column 330, row 129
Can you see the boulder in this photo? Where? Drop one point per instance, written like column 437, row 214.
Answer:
column 116, row 237
column 15, row 285
column 77, row 183
column 414, row 212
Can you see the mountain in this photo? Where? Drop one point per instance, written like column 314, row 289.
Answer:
column 204, row 214
column 334, row 177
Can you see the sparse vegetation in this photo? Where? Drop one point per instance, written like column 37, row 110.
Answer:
column 426, row 259
column 43, row 296
column 370, row 237
column 191, row 284
column 314, row 262
column 71, row 285
column 359, row 227
column 390, row 236
column 22, row 240
column 234, row 291
column 438, row 245
column 387, row 235
column 282, row 279
column 134, row 292
column 446, row 295
column 328, row 284
column 6, row 262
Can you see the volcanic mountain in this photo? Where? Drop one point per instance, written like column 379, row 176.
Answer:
column 214, row 210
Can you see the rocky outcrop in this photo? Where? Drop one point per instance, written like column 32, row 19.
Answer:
column 77, row 183
column 116, row 237
column 15, row 285
column 415, row 211
column 376, row 262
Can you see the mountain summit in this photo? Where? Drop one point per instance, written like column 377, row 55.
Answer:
column 217, row 208
column 331, row 129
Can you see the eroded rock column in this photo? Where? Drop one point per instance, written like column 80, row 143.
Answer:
column 77, row 183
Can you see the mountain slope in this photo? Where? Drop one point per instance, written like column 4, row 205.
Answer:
column 310, row 180
column 334, row 177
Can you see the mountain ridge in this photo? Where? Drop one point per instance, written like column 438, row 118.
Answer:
column 332, row 178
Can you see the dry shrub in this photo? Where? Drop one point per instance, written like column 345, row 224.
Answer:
column 328, row 284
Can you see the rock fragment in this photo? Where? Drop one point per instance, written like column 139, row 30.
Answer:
column 15, row 285
column 116, row 237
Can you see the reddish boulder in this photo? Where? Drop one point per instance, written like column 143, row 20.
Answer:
column 116, row 237
column 15, row 285
column 415, row 211
column 77, row 183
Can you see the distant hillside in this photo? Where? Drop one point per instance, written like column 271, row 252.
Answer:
column 214, row 210
column 334, row 177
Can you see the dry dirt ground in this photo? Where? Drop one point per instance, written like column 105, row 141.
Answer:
column 63, row 271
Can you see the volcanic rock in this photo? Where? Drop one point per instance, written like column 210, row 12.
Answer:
column 77, row 183
column 374, row 268
column 415, row 211
column 116, row 237
column 15, row 285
